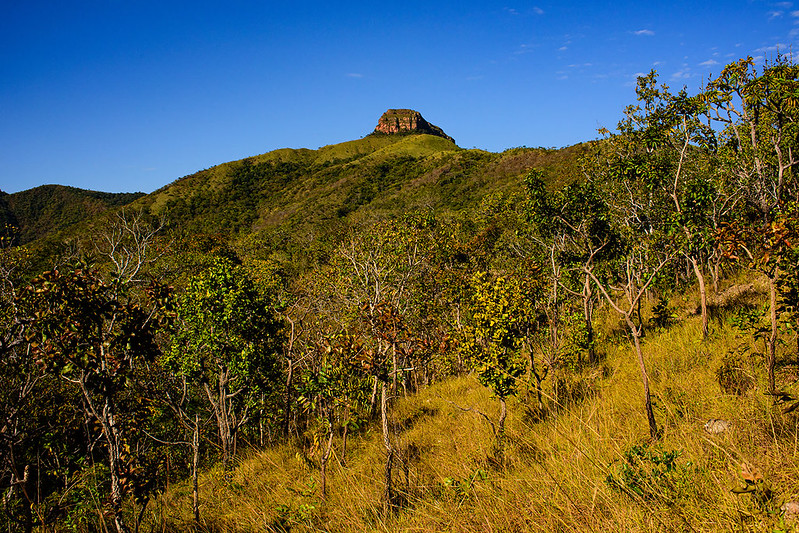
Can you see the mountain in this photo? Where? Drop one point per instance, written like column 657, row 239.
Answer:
column 302, row 197
column 43, row 210
column 374, row 176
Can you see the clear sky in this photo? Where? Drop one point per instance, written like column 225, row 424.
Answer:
column 129, row 95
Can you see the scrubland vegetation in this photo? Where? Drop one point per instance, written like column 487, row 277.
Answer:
column 395, row 334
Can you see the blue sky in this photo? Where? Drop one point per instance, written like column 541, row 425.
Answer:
column 129, row 95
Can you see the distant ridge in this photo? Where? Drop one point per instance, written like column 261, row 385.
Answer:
column 405, row 165
column 399, row 121
column 47, row 209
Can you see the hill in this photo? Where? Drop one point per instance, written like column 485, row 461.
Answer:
column 304, row 191
column 47, row 209
column 377, row 176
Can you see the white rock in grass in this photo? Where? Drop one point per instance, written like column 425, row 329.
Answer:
column 790, row 511
column 714, row 426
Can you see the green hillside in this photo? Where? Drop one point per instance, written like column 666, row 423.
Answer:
column 47, row 209
column 295, row 202
column 374, row 176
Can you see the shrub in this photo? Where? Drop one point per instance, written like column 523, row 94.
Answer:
column 663, row 315
column 651, row 474
column 731, row 375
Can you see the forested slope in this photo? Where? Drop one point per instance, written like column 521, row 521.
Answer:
column 45, row 210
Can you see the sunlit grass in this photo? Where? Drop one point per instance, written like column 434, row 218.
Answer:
column 553, row 474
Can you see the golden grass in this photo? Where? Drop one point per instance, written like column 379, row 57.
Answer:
column 553, row 473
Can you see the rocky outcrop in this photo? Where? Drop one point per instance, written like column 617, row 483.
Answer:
column 399, row 121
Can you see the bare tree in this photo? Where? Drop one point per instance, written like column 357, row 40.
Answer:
column 129, row 242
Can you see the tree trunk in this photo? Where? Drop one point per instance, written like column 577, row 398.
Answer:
column 503, row 414
column 219, row 405
column 27, row 508
column 195, row 462
column 113, row 439
column 344, row 440
column 394, row 369
column 714, row 273
column 553, row 314
column 702, row 296
column 325, row 458
column 106, row 418
column 772, row 339
column 140, row 515
column 650, row 415
column 588, row 315
column 287, row 397
column 537, row 377
column 388, row 493
column 373, row 399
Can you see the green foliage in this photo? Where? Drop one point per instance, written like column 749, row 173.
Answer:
column 379, row 179
column 302, row 512
column 749, row 322
column 80, row 502
column 462, row 488
column 84, row 327
column 501, row 319
column 96, row 334
column 336, row 382
column 650, row 474
column 227, row 340
column 48, row 209
column 225, row 324
column 576, row 342
column 663, row 314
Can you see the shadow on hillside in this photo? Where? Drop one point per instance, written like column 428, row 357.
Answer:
column 732, row 300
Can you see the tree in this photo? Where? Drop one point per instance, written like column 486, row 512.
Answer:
column 94, row 334
column 667, row 132
column 633, row 247
column 501, row 318
column 129, row 242
column 14, row 261
column 759, row 110
column 562, row 224
column 770, row 250
column 227, row 339
column 376, row 272
column 333, row 391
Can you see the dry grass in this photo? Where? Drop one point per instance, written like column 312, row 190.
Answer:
column 553, row 473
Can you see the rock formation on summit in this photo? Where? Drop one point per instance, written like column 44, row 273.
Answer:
column 396, row 121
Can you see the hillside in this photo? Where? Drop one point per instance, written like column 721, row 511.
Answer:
column 374, row 175
column 47, row 209
column 303, row 191
column 588, row 466
column 398, row 334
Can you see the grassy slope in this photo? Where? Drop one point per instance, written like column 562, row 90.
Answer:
column 553, row 476
column 298, row 193
column 373, row 176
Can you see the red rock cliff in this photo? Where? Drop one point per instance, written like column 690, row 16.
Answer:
column 396, row 121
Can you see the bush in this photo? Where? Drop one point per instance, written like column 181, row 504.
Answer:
column 651, row 474
column 663, row 315
column 731, row 376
